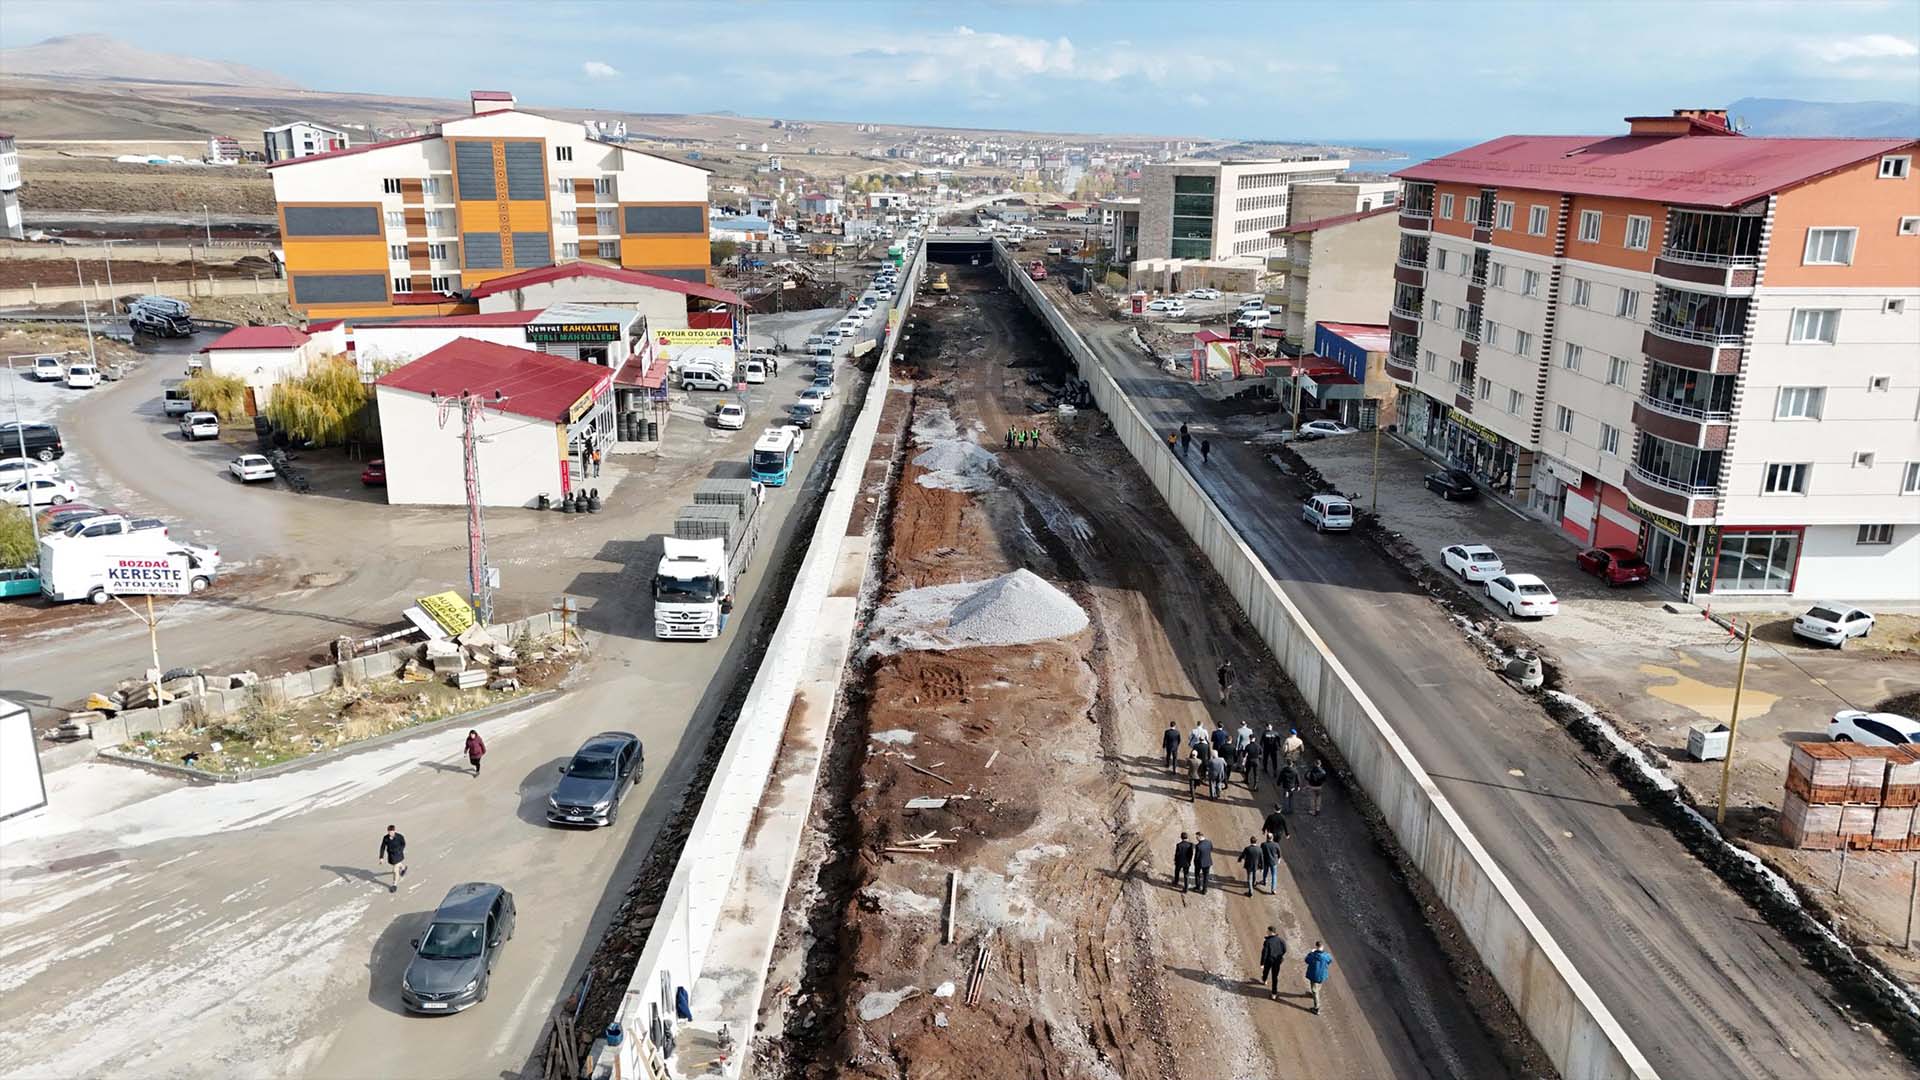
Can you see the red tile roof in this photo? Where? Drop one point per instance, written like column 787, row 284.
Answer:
column 491, row 318
column 1330, row 222
column 259, row 337
column 535, row 385
column 351, row 150
column 544, row 274
column 323, row 324
column 1686, row 170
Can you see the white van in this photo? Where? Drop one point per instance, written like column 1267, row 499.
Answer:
column 1328, row 513
column 701, row 378
column 174, row 399
column 753, row 371
column 82, row 377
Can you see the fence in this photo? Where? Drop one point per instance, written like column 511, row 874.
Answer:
column 98, row 292
column 179, row 250
column 1563, row 1013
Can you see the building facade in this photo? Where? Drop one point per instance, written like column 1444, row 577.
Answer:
column 302, row 139
column 1339, row 269
column 1338, row 198
column 11, row 225
column 1222, row 209
column 373, row 229
column 1685, row 341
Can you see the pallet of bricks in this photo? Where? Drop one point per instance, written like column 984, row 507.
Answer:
column 1842, row 794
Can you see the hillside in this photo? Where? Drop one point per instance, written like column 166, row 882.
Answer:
column 1847, row 119
column 89, row 56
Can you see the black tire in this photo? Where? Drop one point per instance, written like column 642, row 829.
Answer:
column 200, row 584
column 613, row 814
column 97, row 596
column 486, row 983
column 1511, row 610
column 45, row 454
column 1843, row 738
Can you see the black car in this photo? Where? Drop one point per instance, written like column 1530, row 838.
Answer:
column 1453, row 484
column 453, row 961
column 591, row 785
column 42, row 441
column 800, row 418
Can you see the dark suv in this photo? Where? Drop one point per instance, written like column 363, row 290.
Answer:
column 453, row 961
column 42, row 441
column 601, row 771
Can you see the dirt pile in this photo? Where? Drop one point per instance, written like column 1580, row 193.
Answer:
column 1013, row 609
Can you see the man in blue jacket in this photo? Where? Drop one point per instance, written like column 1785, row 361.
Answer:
column 1319, row 961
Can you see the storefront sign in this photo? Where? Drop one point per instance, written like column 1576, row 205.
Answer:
column 1709, row 559
column 450, row 610
column 1656, row 519
column 1467, row 422
column 149, row 575
column 561, row 333
column 585, row 401
column 1569, row 475
column 695, row 336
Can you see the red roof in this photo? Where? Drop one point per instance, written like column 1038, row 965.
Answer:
column 1372, row 337
column 1687, row 170
column 490, row 95
column 544, row 274
column 259, row 337
column 351, row 150
column 491, row 318
column 535, row 385
column 650, row 376
column 323, row 324
column 1329, row 222
column 1205, row 336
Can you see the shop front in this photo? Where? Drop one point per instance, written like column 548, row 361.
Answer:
column 1668, row 545
column 1762, row 559
column 1480, row 450
column 589, row 432
column 1421, row 417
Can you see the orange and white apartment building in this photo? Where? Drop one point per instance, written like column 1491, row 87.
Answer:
column 1681, row 340
column 398, row 226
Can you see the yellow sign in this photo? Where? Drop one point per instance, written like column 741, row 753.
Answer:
column 1467, row 422
column 450, row 610
column 691, row 336
column 1656, row 519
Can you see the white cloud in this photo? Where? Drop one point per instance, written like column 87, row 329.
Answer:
column 1863, row 47
column 596, row 69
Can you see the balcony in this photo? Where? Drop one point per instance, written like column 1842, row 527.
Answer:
column 1475, row 321
column 1403, row 354
column 1689, row 503
column 1463, row 396
column 1697, row 331
column 1681, row 423
column 1400, row 322
column 1415, row 276
column 1416, row 206
column 1718, row 251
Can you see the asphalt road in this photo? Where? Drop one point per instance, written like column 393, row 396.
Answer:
column 161, row 929
column 1704, row 987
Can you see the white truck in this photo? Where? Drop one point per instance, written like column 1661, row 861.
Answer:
column 75, row 567
column 705, row 558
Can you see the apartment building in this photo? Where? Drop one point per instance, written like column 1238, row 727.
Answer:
column 1338, row 269
column 1213, row 210
column 10, row 223
column 1312, row 201
column 379, row 229
column 302, row 139
column 1682, row 340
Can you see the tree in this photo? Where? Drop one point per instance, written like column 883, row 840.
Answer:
column 322, row 405
column 223, row 395
column 16, row 538
column 724, row 250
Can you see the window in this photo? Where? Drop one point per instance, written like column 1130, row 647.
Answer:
column 1440, row 259
column 1562, row 419
column 397, row 252
column 570, row 250
column 603, row 185
column 402, row 284
column 603, row 222
column 1610, row 439
column 1756, row 562
column 1435, row 316
column 1590, row 226
column 1571, row 361
column 1497, row 275
column 1473, row 209
column 436, row 219
column 1874, row 534
column 1433, row 360
column 609, row 249
column 1879, row 384
column 1616, row 371
column 1446, row 207
column 1800, row 403
column 563, row 185
column 396, row 219
column 1460, row 319
column 1829, row 247
column 1505, row 210
column 1786, row 479
column 443, row 284
column 1910, row 480
column 563, row 153
column 1513, row 401
column 1537, row 220
column 1454, row 372
column 1639, row 232
column 390, row 186
column 569, row 217
column 1530, row 283
column 1491, row 334
column 1910, row 225
column 1629, row 304
column 1522, row 342
column 436, row 251
column 1895, row 168
column 1863, row 459
column 1582, row 295
column 1893, row 306
column 430, row 186
column 1814, row 326
column 1486, row 388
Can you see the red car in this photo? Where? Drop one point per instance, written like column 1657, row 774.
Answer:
column 1615, row 566
column 375, row 474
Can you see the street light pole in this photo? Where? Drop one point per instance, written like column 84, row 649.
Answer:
column 209, row 219
column 86, row 313
column 113, row 299
column 1733, row 726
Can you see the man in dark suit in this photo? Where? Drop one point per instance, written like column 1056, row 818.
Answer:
column 1182, row 859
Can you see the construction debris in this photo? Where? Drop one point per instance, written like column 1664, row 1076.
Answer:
column 977, row 975
column 929, row 772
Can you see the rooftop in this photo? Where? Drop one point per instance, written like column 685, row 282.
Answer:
column 491, row 318
column 531, row 384
column 544, row 274
column 1331, row 222
column 1369, row 336
column 259, row 337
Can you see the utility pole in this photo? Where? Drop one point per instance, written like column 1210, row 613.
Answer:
column 1733, row 725
column 1374, row 509
column 85, row 311
column 209, row 218
column 479, row 574
column 113, row 299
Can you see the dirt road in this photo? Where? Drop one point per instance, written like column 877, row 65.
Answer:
column 1101, row 966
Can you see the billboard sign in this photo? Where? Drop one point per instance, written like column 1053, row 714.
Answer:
column 561, row 333
column 149, row 575
column 450, row 610
column 718, row 335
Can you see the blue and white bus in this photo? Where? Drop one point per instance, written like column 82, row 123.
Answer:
column 773, row 456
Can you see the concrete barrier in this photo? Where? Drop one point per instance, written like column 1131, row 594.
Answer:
column 99, row 293
column 1562, row 1012
column 797, row 681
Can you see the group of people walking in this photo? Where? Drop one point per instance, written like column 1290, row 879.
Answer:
column 1022, row 438
column 1213, row 755
column 1182, row 440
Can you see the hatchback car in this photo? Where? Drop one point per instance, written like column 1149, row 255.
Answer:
column 1473, row 562
column 1614, row 565
column 1328, row 512
column 375, row 474
column 1451, row 484
column 58, row 518
column 814, row 398
column 1833, row 624
column 753, row 371
column 1873, row 729
column 250, row 467
column 1522, row 595
column 82, row 377
column 453, row 960
column 800, row 416
column 200, row 425
column 591, row 784
column 39, row 491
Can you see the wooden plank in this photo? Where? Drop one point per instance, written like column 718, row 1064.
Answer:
column 935, row 775
column 953, row 885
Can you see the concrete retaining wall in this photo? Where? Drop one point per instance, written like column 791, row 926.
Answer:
column 1563, row 1013
column 813, row 623
column 98, row 292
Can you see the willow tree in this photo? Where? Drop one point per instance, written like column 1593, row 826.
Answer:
column 322, row 405
column 223, row 395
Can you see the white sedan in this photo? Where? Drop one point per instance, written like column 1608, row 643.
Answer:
column 39, row 491
column 1473, row 562
column 1873, row 729
column 1833, row 624
column 1522, row 594
column 1326, row 427
column 250, row 467
column 1203, row 294
column 14, row 470
column 730, row 416
column 812, row 399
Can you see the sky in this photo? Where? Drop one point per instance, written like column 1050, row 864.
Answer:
column 1275, row 70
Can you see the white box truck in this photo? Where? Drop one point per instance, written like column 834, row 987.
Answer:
column 705, row 558
column 75, row 567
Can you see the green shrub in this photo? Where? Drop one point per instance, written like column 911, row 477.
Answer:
column 223, row 395
column 16, row 538
column 321, row 405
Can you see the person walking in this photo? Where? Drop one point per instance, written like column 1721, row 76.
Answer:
column 1224, row 674
column 1276, row 824
column 1182, row 860
column 1250, row 767
column 1270, row 748
column 1216, row 775
column 1243, row 738
column 1202, row 861
column 1270, row 862
column 596, row 462
column 1199, row 736
column 1173, row 440
column 1035, row 441
column 1292, row 747
column 1273, row 951
column 1316, row 779
column 1009, row 436
column 1222, row 741
column 1196, row 769
column 1170, row 745
column 1250, row 862
column 1319, row 961
column 393, row 852
column 1289, row 783
column 476, row 749
column 1186, row 440
column 1206, row 450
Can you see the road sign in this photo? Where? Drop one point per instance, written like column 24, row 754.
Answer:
column 149, row 575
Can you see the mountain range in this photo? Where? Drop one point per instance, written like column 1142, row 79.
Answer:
column 101, row 57
column 1851, row 119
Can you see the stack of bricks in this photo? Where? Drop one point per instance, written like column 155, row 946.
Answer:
column 1842, row 794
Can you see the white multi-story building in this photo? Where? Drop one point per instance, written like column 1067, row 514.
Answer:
column 10, row 223
column 302, row 139
column 1222, row 209
column 1698, row 345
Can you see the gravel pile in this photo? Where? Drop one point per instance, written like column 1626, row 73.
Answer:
column 1013, row 609
column 954, row 461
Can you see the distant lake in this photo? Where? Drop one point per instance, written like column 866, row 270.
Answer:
column 1407, row 151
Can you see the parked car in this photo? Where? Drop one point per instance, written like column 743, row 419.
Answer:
column 56, row 519
column 1522, row 594
column 14, row 470
column 1325, row 512
column 1833, row 624
column 375, row 474
column 1254, row 303
column 813, row 340
column 19, row 581
column 453, row 960
column 113, row 525
column 800, row 416
column 200, row 425
column 1203, row 294
column 814, row 398
column 730, row 415
column 40, row 441
column 49, row 368
column 824, row 384
column 174, row 398
column 1451, row 484
column 1614, row 565
column 1168, row 305
column 39, row 491
column 1473, row 562
column 1325, row 428
column 1873, row 729
column 1258, row 320
column 696, row 378
column 82, row 377
column 753, row 371
column 592, row 783
column 250, row 467
column 203, row 564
